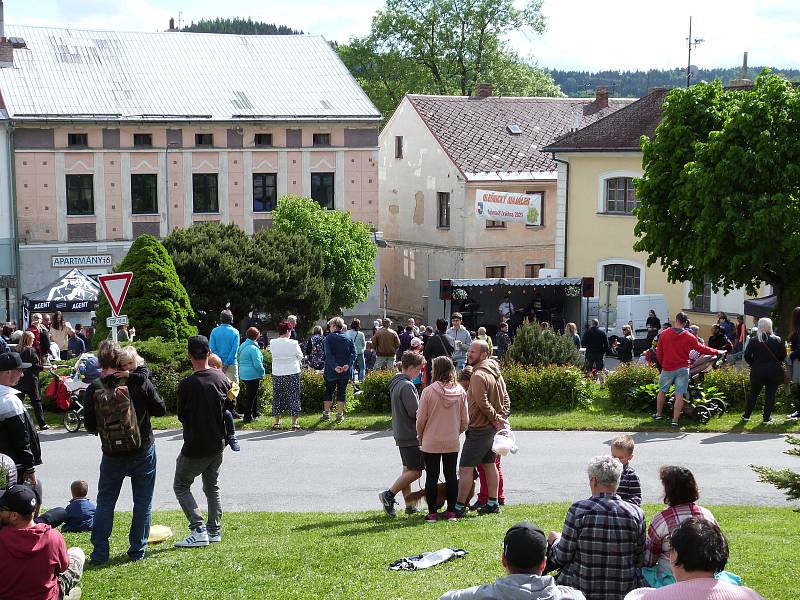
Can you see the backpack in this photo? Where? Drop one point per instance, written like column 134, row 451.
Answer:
column 117, row 425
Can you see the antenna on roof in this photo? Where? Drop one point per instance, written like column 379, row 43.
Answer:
column 692, row 44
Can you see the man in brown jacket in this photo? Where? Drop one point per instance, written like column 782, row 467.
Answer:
column 489, row 405
column 386, row 342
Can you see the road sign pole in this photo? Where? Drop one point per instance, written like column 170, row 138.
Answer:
column 114, row 334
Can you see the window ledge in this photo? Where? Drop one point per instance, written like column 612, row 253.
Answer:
column 616, row 214
column 81, row 215
column 262, row 212
column 194, row 212
column 701, row 311
column 145, row 214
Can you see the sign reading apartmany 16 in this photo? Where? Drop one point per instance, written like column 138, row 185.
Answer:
column 509, row 206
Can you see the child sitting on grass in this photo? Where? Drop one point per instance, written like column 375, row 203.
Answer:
column 77, row 516
column 630, row 488
column 215, row 362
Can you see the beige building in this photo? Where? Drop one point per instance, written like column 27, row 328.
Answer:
column 436, row 152
column 117, row 134
column 594, row 204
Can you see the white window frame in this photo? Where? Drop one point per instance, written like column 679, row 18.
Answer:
column 601, row 190
column 627, row 262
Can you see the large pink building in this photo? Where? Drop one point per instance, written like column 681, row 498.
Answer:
column 113, row 135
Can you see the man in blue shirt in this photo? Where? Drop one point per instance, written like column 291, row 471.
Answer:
column 224, row 343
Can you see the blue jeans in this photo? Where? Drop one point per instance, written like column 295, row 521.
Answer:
column 141, row 468
column 360, row 368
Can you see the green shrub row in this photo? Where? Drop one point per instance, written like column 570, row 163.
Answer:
column 554, row 387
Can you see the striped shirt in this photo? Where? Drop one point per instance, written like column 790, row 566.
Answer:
column 630, row 489
column 662, row 525
column 601, row 547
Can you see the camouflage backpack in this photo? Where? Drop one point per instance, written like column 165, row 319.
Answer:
column 117, row 425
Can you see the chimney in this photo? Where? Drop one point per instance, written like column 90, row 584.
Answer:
column 742, row 80
column 601, row 97
column 6, row 47
column 482, row 90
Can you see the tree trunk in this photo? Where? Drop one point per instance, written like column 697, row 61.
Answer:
column 787, row 300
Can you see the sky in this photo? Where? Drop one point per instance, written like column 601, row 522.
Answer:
column 581, row 34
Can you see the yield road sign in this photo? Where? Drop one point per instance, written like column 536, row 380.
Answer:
column 117, row 321
column 115, row 287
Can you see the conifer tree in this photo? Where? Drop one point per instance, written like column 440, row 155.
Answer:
column 784, row 479
column 536, row 347
column 157, row 303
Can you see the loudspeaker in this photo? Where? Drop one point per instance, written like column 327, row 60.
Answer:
column 445, row 289
column 588, row 287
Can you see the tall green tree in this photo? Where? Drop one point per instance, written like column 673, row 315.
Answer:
column 276, row 272
column 210, row 259
column 348, row 247
column 445, row 47
column 239, row 26
column 720, row 194
column 157, row 304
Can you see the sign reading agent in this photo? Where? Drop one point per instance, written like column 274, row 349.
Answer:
column 509, row 206
column 94, row 260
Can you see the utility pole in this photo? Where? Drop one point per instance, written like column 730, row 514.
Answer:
column 692, row 43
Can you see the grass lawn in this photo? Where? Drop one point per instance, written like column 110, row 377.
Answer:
column 601, row 415
column 346, row 555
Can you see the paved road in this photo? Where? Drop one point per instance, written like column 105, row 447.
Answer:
column 343, row 470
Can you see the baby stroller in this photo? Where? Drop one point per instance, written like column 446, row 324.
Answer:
column 67, row 389
column 697, row 404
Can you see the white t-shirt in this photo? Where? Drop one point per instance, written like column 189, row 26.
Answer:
column 286, row 356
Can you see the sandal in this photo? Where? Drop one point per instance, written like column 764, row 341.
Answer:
column 296, row 428
column 276, row 427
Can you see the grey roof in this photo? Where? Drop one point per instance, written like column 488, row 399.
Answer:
column 79, row 74
column 475, row 131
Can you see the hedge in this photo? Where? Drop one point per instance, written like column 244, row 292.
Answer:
column 555, row 387
column 623, row 382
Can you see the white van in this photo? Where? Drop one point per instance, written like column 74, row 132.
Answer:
column 630, row 308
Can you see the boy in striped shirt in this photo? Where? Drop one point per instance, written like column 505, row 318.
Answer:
column 630, row 488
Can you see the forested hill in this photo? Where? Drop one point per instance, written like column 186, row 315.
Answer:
column 634, row 84
column 239, row 27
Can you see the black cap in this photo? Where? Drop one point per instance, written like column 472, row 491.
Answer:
column 198, row 346
column 11, row 361
column 525, row 546
column 19, row 499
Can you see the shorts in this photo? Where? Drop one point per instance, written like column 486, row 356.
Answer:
column 477, row 448
column 678, row 377
column 412, row 457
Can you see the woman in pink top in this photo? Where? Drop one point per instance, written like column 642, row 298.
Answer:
column 681, row 495
column 441, row 418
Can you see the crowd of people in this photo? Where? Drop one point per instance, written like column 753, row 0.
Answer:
column 447, row 383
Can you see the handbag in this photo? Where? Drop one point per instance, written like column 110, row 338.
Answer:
column 786, row 377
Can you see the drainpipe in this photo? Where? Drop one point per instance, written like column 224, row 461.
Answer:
column 566, row 210
column 12, row 185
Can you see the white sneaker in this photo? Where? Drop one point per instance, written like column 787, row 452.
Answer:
column 214, row 538
column 196, row 539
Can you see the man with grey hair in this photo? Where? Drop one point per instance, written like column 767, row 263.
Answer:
column 601, row 546
column 292, row 320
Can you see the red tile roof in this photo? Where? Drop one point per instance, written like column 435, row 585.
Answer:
column 474, row 131
column 620, row 131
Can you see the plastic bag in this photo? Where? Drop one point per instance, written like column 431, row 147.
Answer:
column 504, row 442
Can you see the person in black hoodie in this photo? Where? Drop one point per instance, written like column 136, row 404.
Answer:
column 439, row 344
column 764, row 354
column 201, row 401
column 29, row 384
column 139, row 464
column 595, row 341
column 18, row 437
column 405, row 403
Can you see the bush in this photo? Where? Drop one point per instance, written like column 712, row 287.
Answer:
column 733, row 384
column 166, row 381
column 555, row 387
column 267, row 361
column 312, row 392
column 624, row 383
column 165, row 354
column 376, row 396
column 537, row 348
